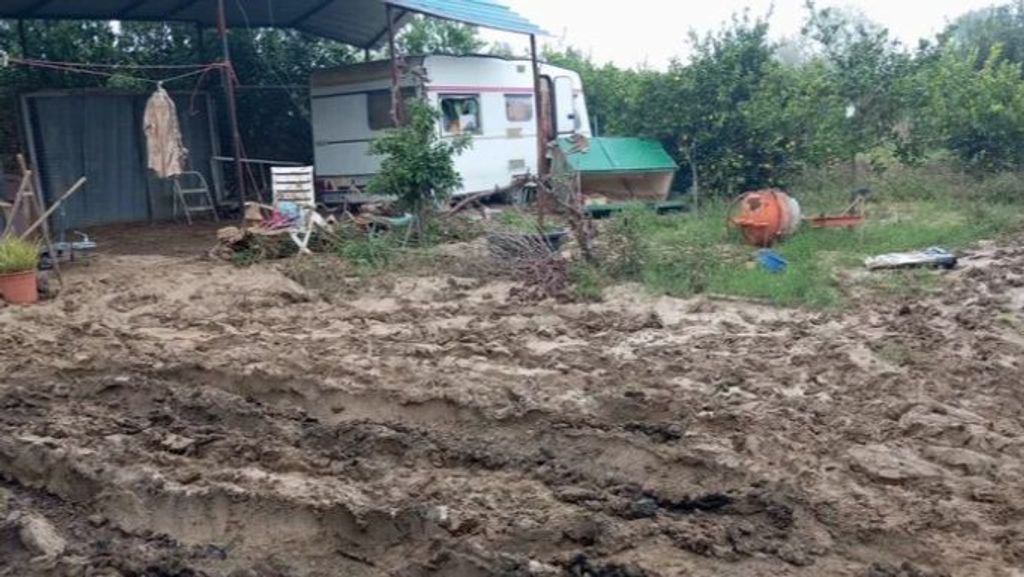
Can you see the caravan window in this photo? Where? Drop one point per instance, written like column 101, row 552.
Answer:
column 378, row 107
column 461, row 114
column 519, row 107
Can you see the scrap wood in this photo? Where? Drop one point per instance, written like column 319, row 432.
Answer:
column 42, row 219
column 478, row 196
column 26, row 179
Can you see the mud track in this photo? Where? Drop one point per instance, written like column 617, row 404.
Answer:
column 170, row 416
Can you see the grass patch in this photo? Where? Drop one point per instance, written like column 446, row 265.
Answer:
column 687, row 254
column 588, row 282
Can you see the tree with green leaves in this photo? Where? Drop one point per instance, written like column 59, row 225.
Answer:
column 978, row 32
column 612, row 92
column 425, row 35
column 978, row 114
column 863, row 65
column 702, row 110
column 418, row 165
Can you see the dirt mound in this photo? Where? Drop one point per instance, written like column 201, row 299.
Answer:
column 168, row 416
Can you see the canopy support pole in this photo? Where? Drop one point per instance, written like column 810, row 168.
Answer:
column 396, row 93
column 227, row 75
column 22, row 38
column 542, row 137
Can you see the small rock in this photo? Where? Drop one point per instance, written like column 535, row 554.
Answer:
column 643, row 508
column 967, row 461
column 542, row 569
column 892, row 464
column 73, row 566
column 41, row 537
column 189, row 476
column 439, row 515
column 5, row 498
column 97, row 520
column 177, row 443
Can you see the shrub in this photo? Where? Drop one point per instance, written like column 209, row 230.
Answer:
column 418, row 165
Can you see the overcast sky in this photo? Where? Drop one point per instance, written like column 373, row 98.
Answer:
column 632, row 32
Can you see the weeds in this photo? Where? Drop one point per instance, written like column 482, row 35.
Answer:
column 688, row 254
column 588, row 282
column 368, row 251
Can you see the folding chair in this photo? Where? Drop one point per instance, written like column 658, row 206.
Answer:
column 191, row 195
column 295, row 199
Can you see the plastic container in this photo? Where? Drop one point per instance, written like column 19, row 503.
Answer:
column 19, row 288
column 771, row 261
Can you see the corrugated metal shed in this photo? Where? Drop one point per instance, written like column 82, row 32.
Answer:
column 360, row 23
column 98, row 134
column 616, row 154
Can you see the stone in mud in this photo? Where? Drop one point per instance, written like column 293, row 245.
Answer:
column 584, row 531
column 41, row 537
column 177, row 443
column 892, row 464
column 538, row 569
column 964, row 460
column 904, row 570
column 5, row 498
column 643, row 508
column 582, row 566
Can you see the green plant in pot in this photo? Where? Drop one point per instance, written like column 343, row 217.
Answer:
column 18, row 262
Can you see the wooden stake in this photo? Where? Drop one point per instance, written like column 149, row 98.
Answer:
column 29, row 197
column 41, row 221
column 13, row 214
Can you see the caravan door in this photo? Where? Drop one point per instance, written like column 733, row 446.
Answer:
column 566, row 120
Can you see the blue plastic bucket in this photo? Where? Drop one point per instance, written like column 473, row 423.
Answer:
column 771, row 261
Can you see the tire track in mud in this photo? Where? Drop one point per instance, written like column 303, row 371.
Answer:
column 488, row 439
column 596, row 482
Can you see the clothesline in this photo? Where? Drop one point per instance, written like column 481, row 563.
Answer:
column 90, row 68
column 104, row 70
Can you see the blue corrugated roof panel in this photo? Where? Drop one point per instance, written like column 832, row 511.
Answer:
column 478, row 12
column 360, row 23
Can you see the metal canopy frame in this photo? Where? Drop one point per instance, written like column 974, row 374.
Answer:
column 360, row 23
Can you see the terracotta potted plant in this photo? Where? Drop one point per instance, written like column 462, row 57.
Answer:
column 18, row 262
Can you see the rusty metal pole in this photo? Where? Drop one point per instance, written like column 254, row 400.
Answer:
column 396, row 93
column 22, row 38
column 227, row 76
column 542, row 137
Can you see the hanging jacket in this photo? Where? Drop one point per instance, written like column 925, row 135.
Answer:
column 164, row 147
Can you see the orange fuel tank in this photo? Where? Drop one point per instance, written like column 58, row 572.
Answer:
column 765, row 216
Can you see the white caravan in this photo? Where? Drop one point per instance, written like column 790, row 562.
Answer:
column 489, row 98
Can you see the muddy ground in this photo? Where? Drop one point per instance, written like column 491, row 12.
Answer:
column 169, row 415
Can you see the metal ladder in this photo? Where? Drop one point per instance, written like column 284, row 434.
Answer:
column 193, row 199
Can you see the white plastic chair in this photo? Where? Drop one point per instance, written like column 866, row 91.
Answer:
column 295, row 196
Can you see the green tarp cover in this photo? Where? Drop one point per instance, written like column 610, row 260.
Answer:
column 617, row 154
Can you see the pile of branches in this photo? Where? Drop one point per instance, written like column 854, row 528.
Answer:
column 540, row 271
